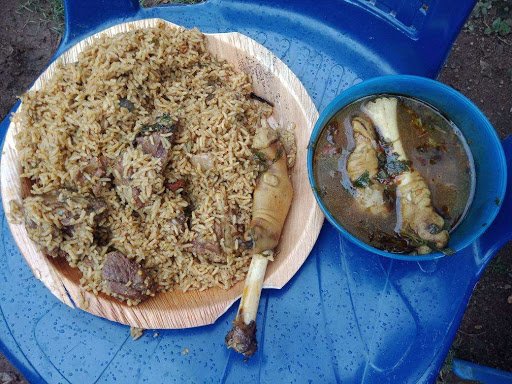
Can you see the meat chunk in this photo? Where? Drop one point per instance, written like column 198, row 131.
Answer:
column 242, row 337
column 26, row 187
column 126, row 278
column 362, row 168
column 414, row 203
column 69, row 207
column 97, row 166
column 202, row 160
column 43, row 232
column 124, row 183
column 156, row 139
column 90, row 174
column 155, row 145
column 227, row 232
column 209, row 250
column 416, row 211
column 178, row 184
column 137, row 175
column 56, row 217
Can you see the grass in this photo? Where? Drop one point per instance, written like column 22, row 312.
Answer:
column 50, row 12
column 495, row 15
column 445, row 374
column 499, row 267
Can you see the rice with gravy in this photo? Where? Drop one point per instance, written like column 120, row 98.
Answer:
column 97, row 106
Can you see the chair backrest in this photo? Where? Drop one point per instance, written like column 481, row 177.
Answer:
column 414, row 36
column 423, row 29
column 413, row 16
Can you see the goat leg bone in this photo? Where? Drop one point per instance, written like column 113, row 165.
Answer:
column 271, row 202
column 242, row 337
column 414, row 204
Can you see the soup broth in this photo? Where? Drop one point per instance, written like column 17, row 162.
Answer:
column 434, row 147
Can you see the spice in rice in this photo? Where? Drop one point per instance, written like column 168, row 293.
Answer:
column 140, row 153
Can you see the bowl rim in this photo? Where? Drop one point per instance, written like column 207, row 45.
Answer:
column 357, row 92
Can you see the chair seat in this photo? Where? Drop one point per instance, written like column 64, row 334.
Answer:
column 347, row 316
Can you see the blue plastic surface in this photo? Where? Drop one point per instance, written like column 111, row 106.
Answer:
column 469, row 371
column 482, row 139
column 347, row 316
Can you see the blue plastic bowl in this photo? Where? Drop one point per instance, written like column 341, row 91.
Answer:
column 484, row 143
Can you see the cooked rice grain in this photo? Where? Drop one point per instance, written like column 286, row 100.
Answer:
column 77, row 116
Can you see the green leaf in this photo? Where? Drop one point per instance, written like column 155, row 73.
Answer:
column 505, row 29
column 162, row 123
column 165, row 118
column 417, row 242
column 496, row 24
column 395, row 167
column 363, row 181
column 260, row 156
column 382, row 176
column 488, row 31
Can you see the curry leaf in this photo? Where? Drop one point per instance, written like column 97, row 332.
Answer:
column 395, row 167
column 363, row 181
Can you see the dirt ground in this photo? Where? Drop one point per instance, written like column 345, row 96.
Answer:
column 23, row 54
column 480, row 66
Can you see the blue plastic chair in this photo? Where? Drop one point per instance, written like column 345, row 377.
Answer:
column 347, row 316
column 470, row 371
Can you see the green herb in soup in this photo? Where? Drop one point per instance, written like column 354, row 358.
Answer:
column 395, row 173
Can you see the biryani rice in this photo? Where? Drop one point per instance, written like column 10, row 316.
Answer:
column 77, row 117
